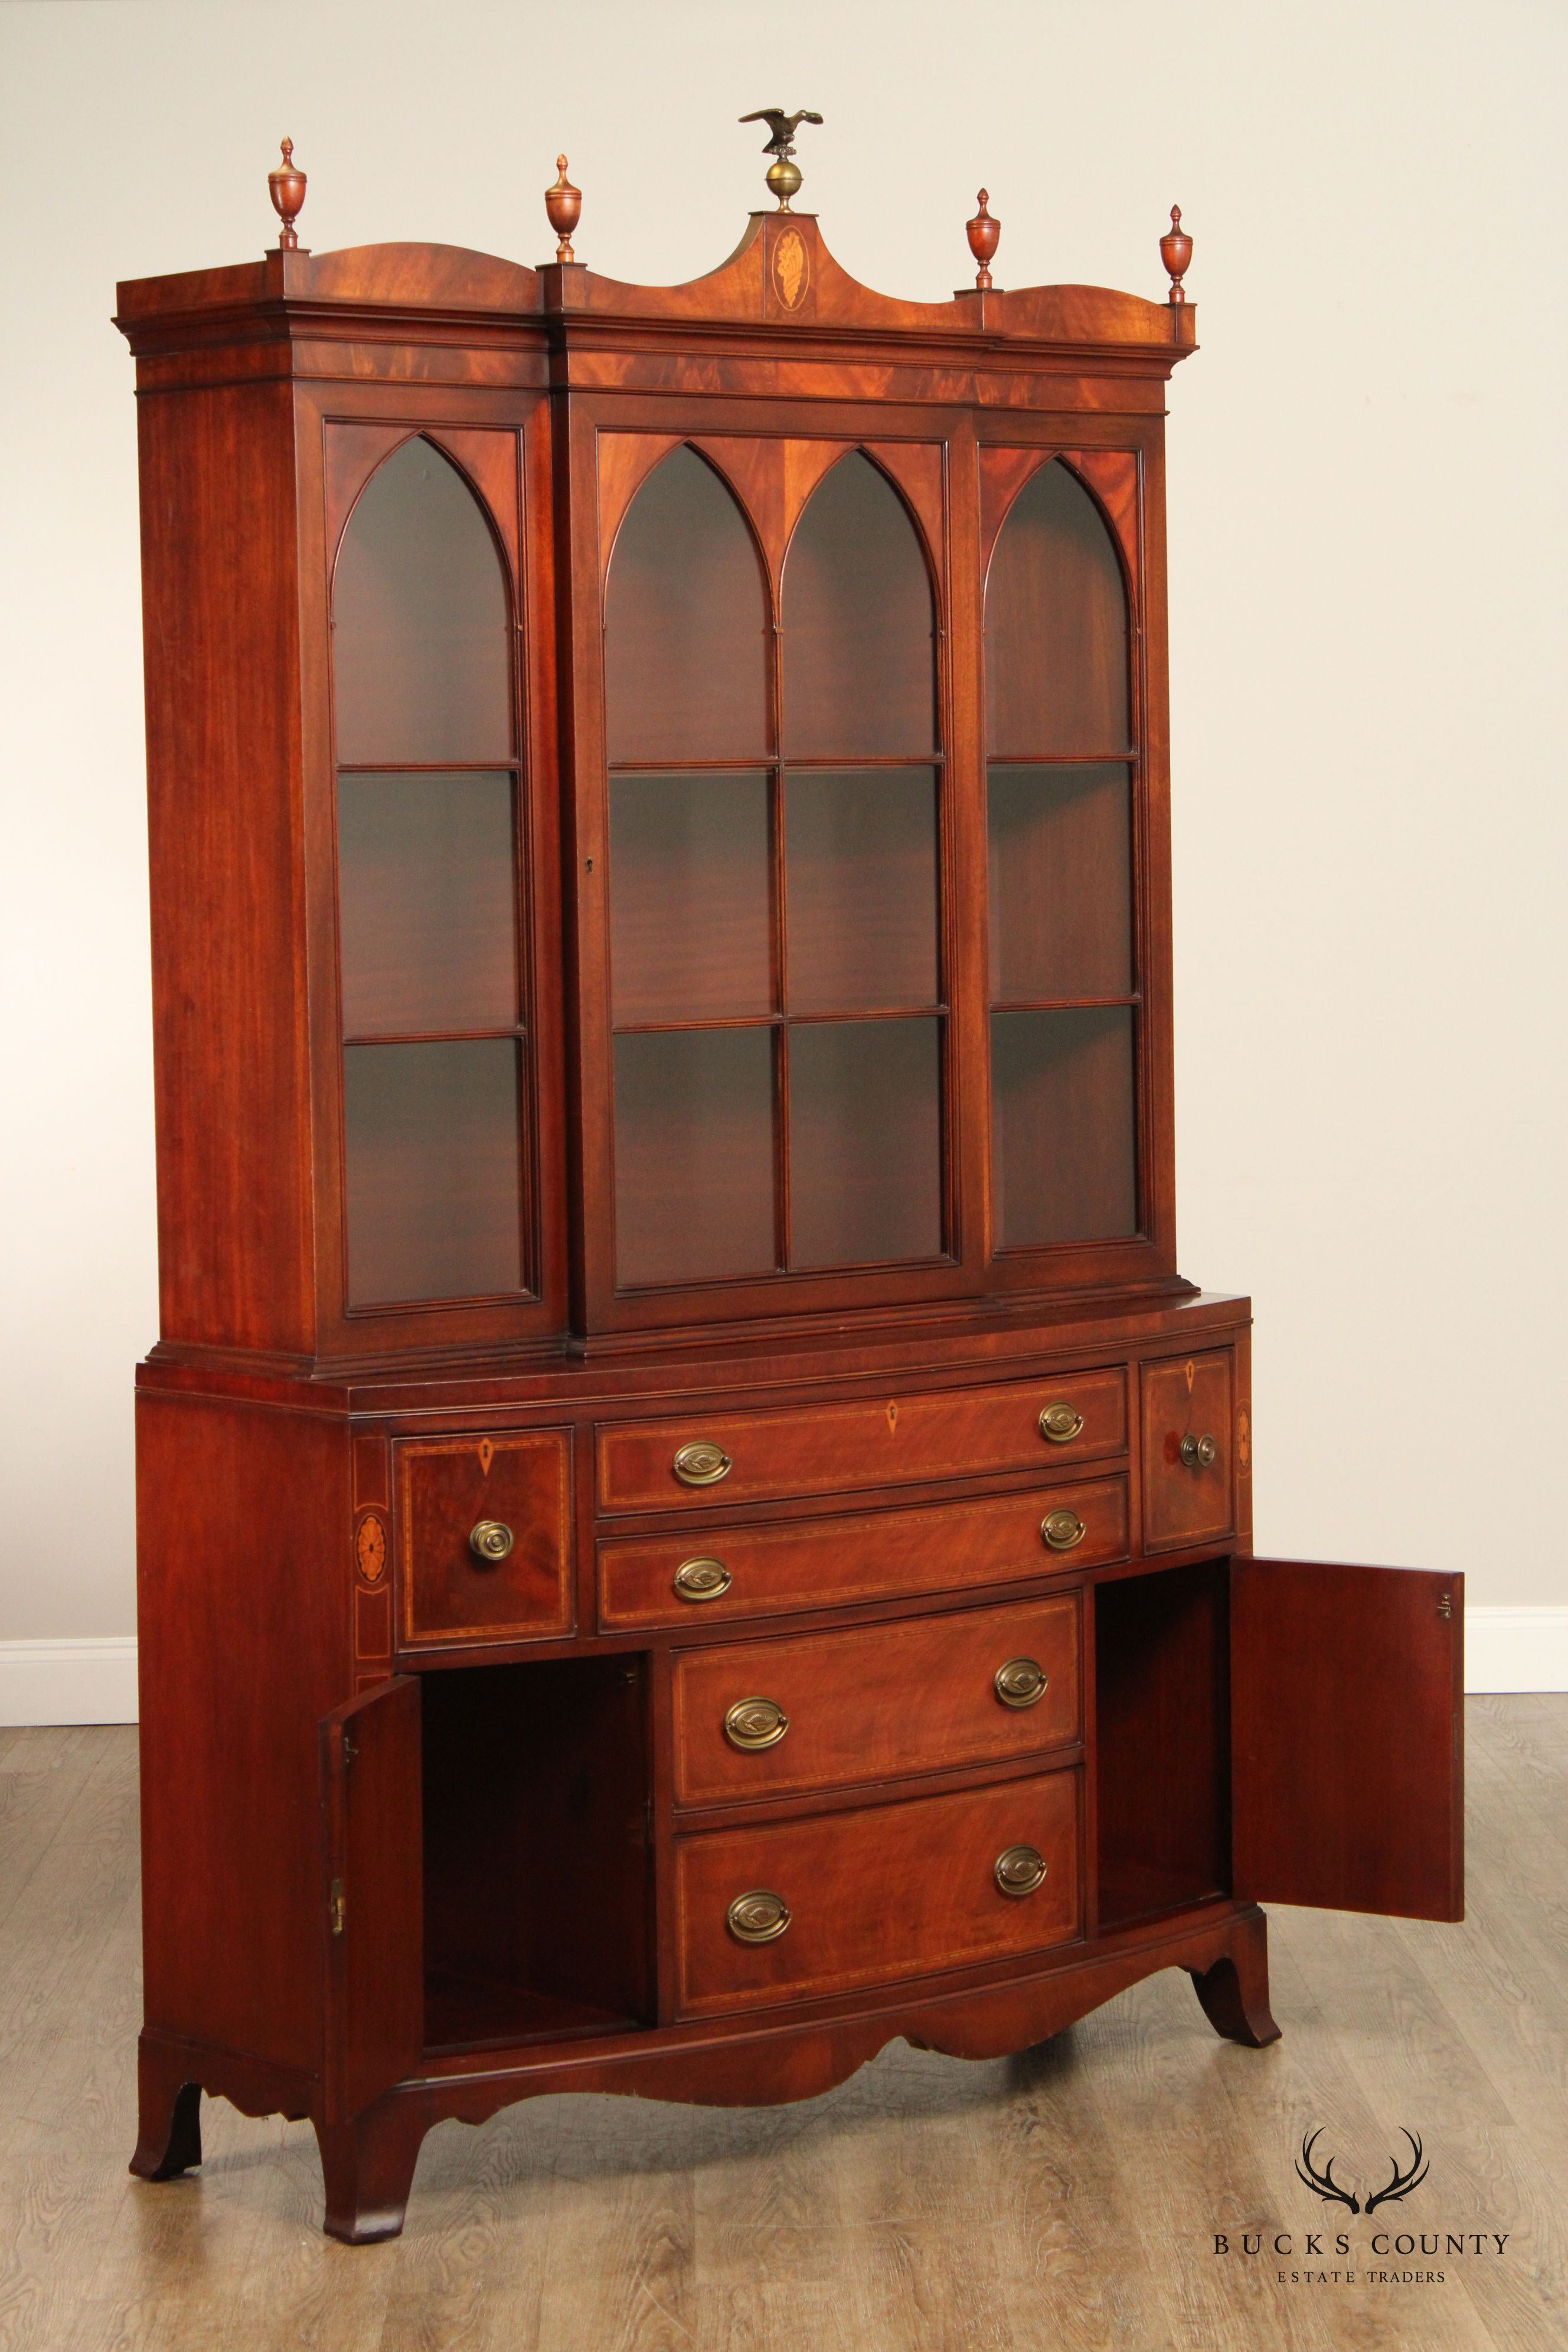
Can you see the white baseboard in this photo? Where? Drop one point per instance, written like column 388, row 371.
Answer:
column 88, row 1681
column 1516, row 1649
column 94, row 1680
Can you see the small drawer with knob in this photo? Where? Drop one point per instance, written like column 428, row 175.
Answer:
column 1188, row 1408
column 877, row 1702
column 721, row 1458
column 484, row 1544
column 813, row 1908
column 726, row 1573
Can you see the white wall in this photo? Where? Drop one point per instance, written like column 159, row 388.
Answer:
column 1366, row 597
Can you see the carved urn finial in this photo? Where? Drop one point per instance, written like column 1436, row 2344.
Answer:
column 285, row 186
column 1176, row 252
column 563, row 202
column 784, row 172
column 984, row 234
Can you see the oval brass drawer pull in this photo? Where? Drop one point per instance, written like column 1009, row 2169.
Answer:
column 1020, row 1870
column 1198, row 1452
column 701, row 1463
column 759, row 1917
column 1020, row 1683
column 753, row 1722
column 490, row 1540
column 702, row 1579
column 1062, row 1529
column 1061, row 1423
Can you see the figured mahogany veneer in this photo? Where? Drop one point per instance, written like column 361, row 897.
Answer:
column 658, row 810
column 875, row 1556
column 874, row 1894
column 883, row 1441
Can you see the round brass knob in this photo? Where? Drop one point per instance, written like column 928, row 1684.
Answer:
column 754, row 1723
column 1061, row 1423
column 1020, row 1870
column 757, row 1917
column 1020, row 1683
column 489, row 1541
column 702, row 1579
column 1197, row 1453
column 1062, row 1529
column 701, row 1463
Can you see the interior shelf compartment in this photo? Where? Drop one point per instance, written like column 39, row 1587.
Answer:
column 537, row 1852
column 1163, row 1740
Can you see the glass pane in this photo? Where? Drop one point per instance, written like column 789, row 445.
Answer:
column 427, row 883
column 435, row 1208
column 860, row 862
column 860, row 675
column 1061, row 882
column 865, row 1110
column 1056, row 625
column 690, row 898
column 694, row 1155
column 421, row 640
column 1063, row 1129
column 688, row 647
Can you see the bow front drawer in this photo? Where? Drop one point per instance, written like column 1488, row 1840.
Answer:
column 876, row 1702
column 727, row 1457
column 719, row 1572
column 822, row 1905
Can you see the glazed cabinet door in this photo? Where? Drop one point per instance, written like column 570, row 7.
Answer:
column 439, row 1193
column 765, row 811
column 1075, row 826
column 1347, row 1736
column 372, row 1867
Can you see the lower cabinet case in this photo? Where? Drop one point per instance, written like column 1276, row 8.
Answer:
column 858, row 1898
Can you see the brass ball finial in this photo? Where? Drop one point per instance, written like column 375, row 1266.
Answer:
column 985, row 234
column 285, row 186
column 1176, row 252
column 563, row 204
column 784, row 173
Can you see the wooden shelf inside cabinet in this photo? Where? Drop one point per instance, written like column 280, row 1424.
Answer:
column 688, row 1516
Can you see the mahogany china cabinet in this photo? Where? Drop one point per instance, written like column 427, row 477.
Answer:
column 689, row 1524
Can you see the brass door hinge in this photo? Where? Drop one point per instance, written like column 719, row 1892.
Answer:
column 335, row 1908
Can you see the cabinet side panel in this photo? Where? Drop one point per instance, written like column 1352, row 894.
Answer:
column 243, row 1520
column 220, row 629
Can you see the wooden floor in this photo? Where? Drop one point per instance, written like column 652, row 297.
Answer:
column 1067, row 2198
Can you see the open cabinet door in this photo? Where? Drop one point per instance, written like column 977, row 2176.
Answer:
column 373, row 1896
column 1347, row 1736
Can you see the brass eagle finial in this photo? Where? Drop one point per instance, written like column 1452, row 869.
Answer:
column 784, row 173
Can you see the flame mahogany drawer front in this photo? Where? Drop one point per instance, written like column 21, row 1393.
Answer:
column 876, row 1702
column 722, row 1457
column 819, row 1906
column 485, row 1537
column 723, row 1573
column 1188, row 1447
